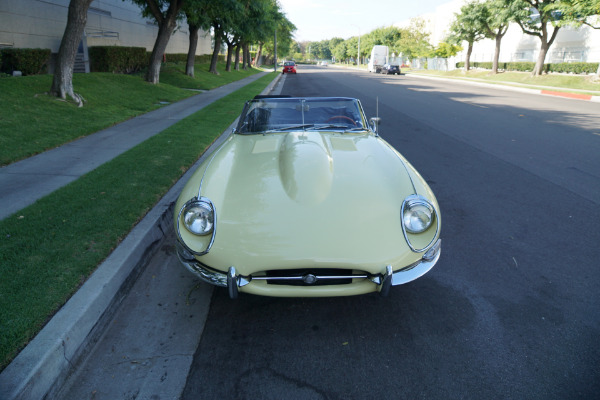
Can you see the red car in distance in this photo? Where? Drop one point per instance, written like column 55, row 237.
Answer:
column 289, row 67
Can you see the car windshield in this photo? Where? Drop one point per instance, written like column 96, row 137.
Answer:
column 276, row 114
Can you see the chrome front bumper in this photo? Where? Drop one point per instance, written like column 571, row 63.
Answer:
column 233, row 281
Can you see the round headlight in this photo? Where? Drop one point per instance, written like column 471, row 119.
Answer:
column 417, row 214
column 198, row 218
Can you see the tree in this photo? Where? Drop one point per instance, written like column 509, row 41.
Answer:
column 218, row 13
column 495, row 20
column 277, row 22
column 196, row 18
column 386, row 36
column 544, row 18
column 467, row 26
column 446, row 50
column 537, row 18
column 165, row 13
column 414, row 41
column 582, row 12
column 339, row 51
column 62, row 82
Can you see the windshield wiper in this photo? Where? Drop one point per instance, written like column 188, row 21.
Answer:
column 330, row 126
column 290, row 128
column 345, row 128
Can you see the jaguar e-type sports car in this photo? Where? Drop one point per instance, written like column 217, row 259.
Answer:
column 306, row 199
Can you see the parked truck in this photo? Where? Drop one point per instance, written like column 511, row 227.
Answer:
column 379, row 57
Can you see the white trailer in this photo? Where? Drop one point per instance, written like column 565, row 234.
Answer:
column 379, row 57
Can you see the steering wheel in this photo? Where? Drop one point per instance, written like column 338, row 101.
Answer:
column 342, row 117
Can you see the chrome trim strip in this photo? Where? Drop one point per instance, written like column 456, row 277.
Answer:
column 208, row 166
column 214, row 231
column 299, row 278
column 401, row 162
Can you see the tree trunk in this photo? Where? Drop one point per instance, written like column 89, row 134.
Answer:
column 246, row 60
column 496, row 54
column 191, row 57
column 165, row 30
column 215, row 54
column 468, row 59
column 258, row 56
column 539, row 64
column 62, row 82
column 237, row 57
column 230, row 47
column 248, row 56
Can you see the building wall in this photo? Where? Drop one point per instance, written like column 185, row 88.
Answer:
column 41, row 24
column 571, row 45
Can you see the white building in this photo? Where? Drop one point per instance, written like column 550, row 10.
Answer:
column 571, row 45
column 41, row 24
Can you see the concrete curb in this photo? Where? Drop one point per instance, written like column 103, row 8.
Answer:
column 42, row 367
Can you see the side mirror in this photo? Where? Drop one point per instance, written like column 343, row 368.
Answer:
column 375, row 121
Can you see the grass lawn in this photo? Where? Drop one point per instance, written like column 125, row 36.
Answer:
column 560, row 82
column 48, row 249
column 32, row 122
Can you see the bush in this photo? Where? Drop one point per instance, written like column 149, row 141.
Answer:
column 520, row 66
column 28, row 61
column 199, row 59
column 116, row 59
column 573, row 68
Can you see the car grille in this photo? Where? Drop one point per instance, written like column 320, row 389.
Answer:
column 311, row 277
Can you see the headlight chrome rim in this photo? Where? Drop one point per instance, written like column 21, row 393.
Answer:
column 180, row 222
column 198, row 217
column 417, row 214
column 416, row 199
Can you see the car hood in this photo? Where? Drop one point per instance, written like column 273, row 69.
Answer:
column 301, row 199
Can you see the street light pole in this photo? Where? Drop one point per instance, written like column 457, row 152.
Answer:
column 358, row 54
column 359, row 47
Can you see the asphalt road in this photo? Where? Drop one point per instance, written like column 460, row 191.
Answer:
column 509, row 312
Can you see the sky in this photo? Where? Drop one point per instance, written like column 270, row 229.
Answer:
column 318, row 20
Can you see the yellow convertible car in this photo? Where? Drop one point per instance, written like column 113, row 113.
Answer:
column 305, row 199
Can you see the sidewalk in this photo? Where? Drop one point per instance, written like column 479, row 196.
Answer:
column 42, row 367
column 24, row 182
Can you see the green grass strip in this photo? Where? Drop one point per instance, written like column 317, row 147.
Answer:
column 31, row 121
column 48, row 249
column 559, row 82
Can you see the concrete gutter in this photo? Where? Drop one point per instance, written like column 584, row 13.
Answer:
column 42, row 367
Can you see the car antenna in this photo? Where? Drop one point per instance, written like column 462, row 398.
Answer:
column 377, row 113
